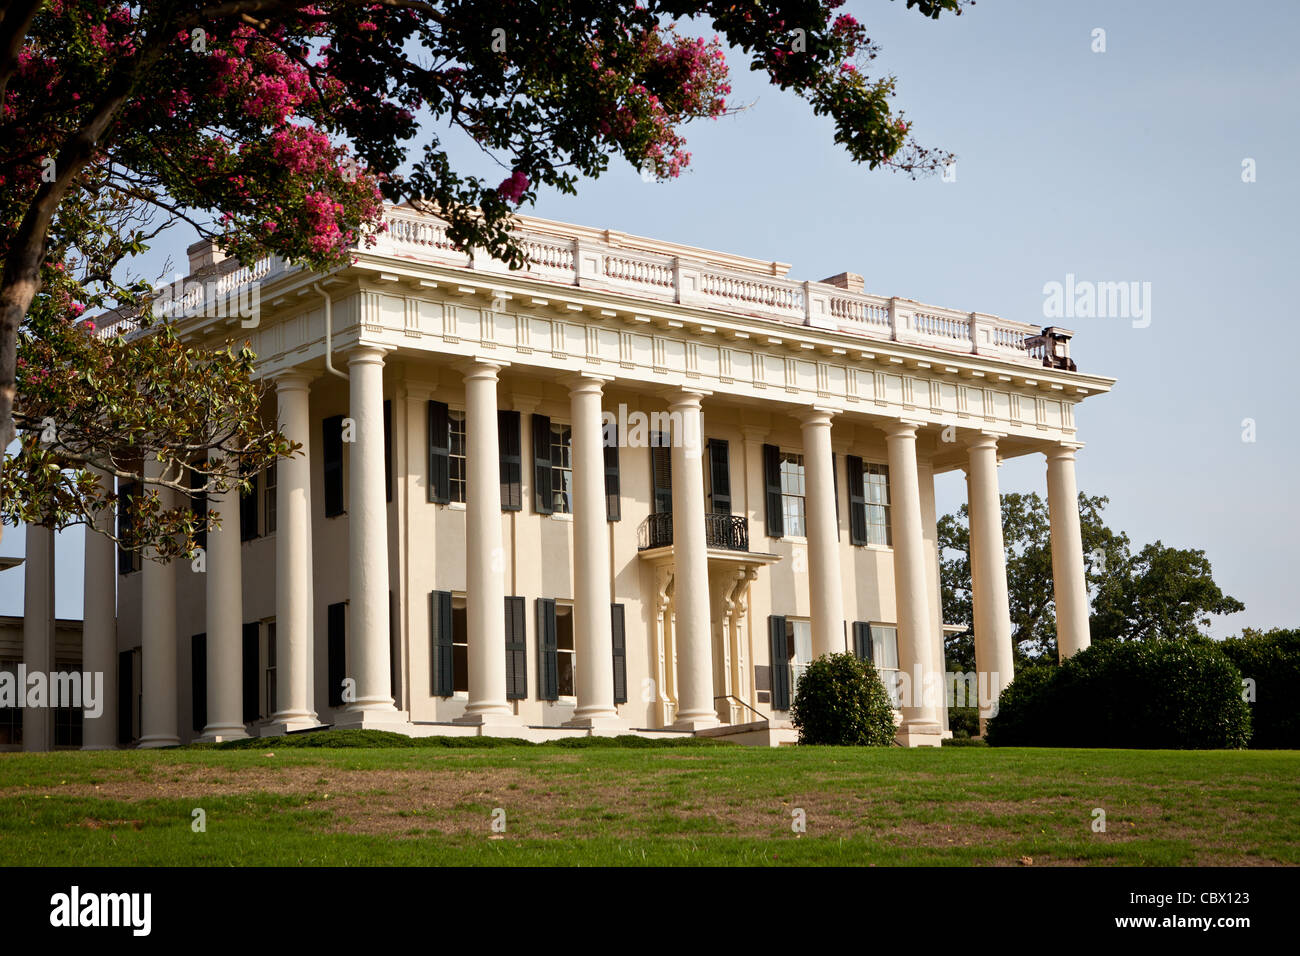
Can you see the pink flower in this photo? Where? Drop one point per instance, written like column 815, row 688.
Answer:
column 513, row 187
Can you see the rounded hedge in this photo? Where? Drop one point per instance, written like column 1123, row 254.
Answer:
column 1272, row 662
column 841, row 701
column 1180, row 695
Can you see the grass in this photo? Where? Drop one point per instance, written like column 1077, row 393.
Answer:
column 340, row 800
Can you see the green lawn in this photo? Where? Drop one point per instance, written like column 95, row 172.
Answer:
column 704, row 804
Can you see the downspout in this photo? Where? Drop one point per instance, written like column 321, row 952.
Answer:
column 329, row 331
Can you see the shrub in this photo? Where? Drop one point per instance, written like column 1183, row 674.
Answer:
column 841, row 701
column 1272, row 661
column 964, row 722
column 1183, row 695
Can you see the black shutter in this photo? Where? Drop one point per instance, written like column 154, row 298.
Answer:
column 125, row 696
column 780, row 663
column 199, row 505
column 125, row 531
column 862, row 640
column 251, row 709
column 199, row 681
column 388, row 450
column 439, row 454
column 613, row 492
column 661, row 478
column 719, row 477
column 248, row 502
column 618, row 631
column 332, row 461
column 548, row 678
column 511, row 461
column 542, row 497
column 516, row 649
column 835, row 487
column 336, row 651
column 857, row 501
column 440, row 641
column 772, row 482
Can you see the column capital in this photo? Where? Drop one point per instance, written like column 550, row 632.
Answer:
column 816, row 415
column 368, row 354
column 984, row 439
column 686, row 397
column 1063, row 451
column 476, row 368
column 294, row 379
column 587, row 382
column 901, row 428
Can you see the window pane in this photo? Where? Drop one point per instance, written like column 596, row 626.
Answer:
column 456, row 454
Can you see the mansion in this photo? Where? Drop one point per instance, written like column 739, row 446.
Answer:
column 633, row 488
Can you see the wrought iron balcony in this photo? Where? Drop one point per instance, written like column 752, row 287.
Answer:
column 729, row 532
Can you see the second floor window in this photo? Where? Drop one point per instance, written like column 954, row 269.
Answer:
column 268, row 508
column 792, row 494
column 875, row 494
column 456, row 454
column 561, row 468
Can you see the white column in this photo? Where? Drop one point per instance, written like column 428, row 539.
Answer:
column 368, row 548
column 99, row 626
column 593, row 640
column 915, row 626
column 693, row 634
column 158, row 711
column 38, row 632
column 1072, row 629
column 994, row 658
column 293, row 612
column 485, row 586
column 225, row 618
column 825, row 588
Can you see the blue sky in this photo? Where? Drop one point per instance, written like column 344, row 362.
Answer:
column 1117, row 166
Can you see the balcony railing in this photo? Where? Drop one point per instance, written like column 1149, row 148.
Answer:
column 729, row 532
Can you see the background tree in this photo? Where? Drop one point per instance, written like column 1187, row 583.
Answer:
column 276, row 126
column 1160, row 592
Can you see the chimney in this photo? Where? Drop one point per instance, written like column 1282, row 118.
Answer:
column 204, row 256
column 849, row 281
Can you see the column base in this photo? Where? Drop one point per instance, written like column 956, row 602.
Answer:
column 215, row 735
column 600, row 725
column 155, row 741
column 287, row 722
column 489, row 718
column 395, row 721
column 920, row 733
column 702, row 722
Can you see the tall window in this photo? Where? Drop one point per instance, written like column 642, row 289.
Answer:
column 566, row 657
column 67, row 720
column 11, row 717
column 799, row 646
column 271, row 707
column 456, row 454
column 561, row 468
column 792, row 494
column 268, row 500
column 459, row 645
column 884, row 654
column 875, row 493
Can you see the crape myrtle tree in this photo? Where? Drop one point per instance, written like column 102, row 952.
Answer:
column 1158, row 593
column 280, row 127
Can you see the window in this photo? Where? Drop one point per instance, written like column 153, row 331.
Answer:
column 251, row 638
column 67, row 720
column 456, row 454
column 248, row 509
column 717, row 477
column 128, row 707
column 459, row 645
column 792, row 494
column 875, row 492
column 561, row 468
column 613, row 494
column 271, row 698
column 332, row 462
column 448, row 644
column 618, row 635
column 799, row 651
column 512, row 461
column 878, row 643
column 336, row 650
column 128, row 558
column 566, row 657
column 516, row 649
column 268, row 500
column 198, row 682
column 661, row 474
column 11, row 717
